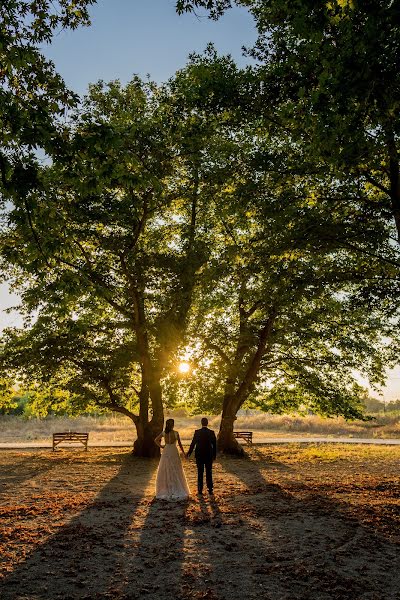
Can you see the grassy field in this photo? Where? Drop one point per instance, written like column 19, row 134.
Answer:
column 291, row 522
column 120, row 429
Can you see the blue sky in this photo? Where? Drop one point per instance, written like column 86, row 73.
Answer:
column 144, row 37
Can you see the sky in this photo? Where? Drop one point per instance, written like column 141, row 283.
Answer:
column 144, row 37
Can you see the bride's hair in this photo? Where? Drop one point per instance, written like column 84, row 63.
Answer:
column 169, row 425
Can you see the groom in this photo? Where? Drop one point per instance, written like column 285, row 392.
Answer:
column 206, row 451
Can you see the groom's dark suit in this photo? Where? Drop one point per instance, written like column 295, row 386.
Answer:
column 205, row 442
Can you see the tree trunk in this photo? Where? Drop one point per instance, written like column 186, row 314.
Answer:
column 226, row 442
column 235, row 396
column 147, row 430
column 144, row 445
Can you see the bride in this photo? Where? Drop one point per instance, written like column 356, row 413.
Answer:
column 171, row 482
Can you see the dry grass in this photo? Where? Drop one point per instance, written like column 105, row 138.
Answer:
column 381, row 427
column 290, row 523
column 109, row 429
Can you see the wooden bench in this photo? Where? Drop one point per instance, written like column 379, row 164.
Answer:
column 70, row 437
column 247, row 436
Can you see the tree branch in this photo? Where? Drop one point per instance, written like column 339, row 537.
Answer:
column 350, row 246
column 376, row 183
column 255, row 362
column 253, row 309
column 35, row 235
column 219, row 351
column 113, row 405
column 121, row 409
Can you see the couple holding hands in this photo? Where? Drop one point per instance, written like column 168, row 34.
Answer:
column 171, row 481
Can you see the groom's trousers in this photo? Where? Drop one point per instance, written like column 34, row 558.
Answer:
column 207, row 465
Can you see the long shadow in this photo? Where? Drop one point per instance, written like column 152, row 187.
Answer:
column 20, row 471
column 166, row 560
column 260, row 541
column 82, row 559
column 306, row 548
column 154, row 566
column 213, row 552
column 154, row 563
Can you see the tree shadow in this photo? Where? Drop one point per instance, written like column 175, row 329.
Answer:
column 253, row 540
column 153, row 564
column 20, row 471
column 165, row 559
column 82, row 559
column 268, row 460
column 303, row 548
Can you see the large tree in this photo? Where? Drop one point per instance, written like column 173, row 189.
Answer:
column 286, row 325
column 300, row 292
column 120, row 221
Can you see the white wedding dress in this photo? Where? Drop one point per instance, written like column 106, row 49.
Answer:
column 171, row 482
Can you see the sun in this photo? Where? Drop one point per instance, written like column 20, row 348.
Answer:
column 184, row 368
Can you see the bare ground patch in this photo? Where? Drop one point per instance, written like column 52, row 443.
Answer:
column 290, row 522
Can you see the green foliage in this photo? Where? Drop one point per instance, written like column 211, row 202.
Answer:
column 111, row 248
column 32, row 94
column 41, row 401
column 297, row 240
column 18, row 406
column 179, row 221
column 71, row 365
column 328, row 77
column 7, row 396
column 216, row 7
column 323, row 331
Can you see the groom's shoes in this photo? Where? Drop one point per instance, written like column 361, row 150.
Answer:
column 210, row 493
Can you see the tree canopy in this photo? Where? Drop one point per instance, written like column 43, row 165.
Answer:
column 32, row 94
column 330, row 74
column 118, row 228
column 300, row 291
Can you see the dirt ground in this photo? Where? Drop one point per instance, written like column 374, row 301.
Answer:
column 290, row 522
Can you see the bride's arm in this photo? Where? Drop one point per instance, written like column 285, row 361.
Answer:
column 180, row 443
column 158, row 440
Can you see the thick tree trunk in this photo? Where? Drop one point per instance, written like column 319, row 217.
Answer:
column 144, row 445
column 169, row 335
column 236, row 395
column 226, row 442
column 147, row 430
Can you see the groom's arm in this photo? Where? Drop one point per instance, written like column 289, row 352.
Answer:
column 192, row 445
